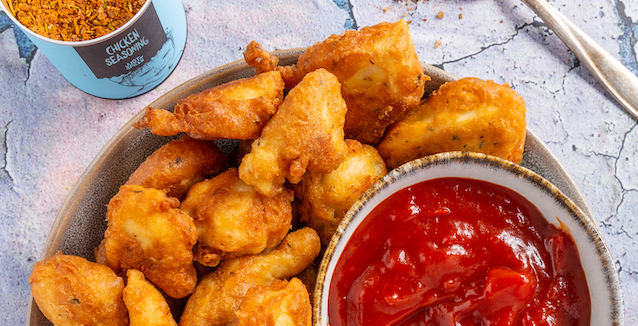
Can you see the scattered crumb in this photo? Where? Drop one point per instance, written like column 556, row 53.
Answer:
column 501, row 21
column 441, row 14
column 409, row 22
column 437, row 44
column 405, row 14
column 460, row 16
column 408, row 2
column 385, row 9
column 425, row 19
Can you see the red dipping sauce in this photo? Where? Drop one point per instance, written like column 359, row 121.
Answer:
column 458, row 252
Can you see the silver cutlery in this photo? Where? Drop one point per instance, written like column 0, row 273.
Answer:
column 621, row 83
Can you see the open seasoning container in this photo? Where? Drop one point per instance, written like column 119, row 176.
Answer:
column 129, row 61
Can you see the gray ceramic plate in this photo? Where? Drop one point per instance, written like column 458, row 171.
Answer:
column 80, row 224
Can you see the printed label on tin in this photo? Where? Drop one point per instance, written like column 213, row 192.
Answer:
column 130, row 49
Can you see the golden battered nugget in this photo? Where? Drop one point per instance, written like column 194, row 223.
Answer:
column 325, row 198
column 306, row 133
column 146, row 305
column 178, row 165
column 233, row 219
column 147, row 232
column 71, row 290
column 235, row 110
column 379, row 71
column 259, row 58
column 464, row 115
column 220, row 293
column 282, row 304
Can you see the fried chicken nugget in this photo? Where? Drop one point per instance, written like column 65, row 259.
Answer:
column 379, row 71
column 147, row 232
column 146, row 305
column 235, row 110
column 71, row 290
column 325, row 198
column 282, row 304
column 233, row 219
column 464, row 115
column 306, row 133
column 259, row 58
column 178, row 165
column 220, row 293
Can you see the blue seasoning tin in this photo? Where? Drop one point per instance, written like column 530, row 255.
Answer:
column 127, row 62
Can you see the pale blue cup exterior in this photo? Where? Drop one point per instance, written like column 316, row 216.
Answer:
column 115, row 66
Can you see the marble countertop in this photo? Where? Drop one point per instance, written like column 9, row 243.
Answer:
column 50, row 131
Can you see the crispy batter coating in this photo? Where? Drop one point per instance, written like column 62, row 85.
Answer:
column 379, row 71
column 178, row 165
column 259, row 58
column 305, row 134
column 325, row 198
column 146, row 305
column 236, row 110
column 147, row 232
column 220, row 293
column 71, row 290
column 281, row 304
column 233, row 219
column 465, row 115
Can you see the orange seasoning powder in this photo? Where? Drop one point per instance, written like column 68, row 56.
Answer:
column 74, row 20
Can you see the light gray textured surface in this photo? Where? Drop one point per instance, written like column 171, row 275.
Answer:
column 50, row 131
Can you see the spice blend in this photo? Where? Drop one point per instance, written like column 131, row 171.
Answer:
column 74, row 20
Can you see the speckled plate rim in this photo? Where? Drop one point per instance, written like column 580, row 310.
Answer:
column 537, row 156
column 598, row 264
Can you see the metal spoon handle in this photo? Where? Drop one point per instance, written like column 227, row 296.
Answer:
column 616, row 78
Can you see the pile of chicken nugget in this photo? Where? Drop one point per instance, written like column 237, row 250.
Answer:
column 204, row 238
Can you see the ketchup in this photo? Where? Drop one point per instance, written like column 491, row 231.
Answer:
column 458, row 252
